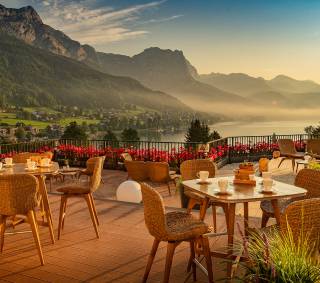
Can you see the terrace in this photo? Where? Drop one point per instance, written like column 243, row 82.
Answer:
column 79, row 257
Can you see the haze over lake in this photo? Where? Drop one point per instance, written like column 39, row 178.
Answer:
column 251, row 129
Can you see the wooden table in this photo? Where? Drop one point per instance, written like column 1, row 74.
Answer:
column 40, row 173
column 241, row 194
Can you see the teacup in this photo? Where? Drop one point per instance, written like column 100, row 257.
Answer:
column 266, row 175
column 267, row 184
column 223, row 185
column 31, row 165
column 45, row 162
column 8, row 161
column 28, row 160
column 252, row 177
column 203, row 176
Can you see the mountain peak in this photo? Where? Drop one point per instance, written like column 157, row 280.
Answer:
column 26, row 14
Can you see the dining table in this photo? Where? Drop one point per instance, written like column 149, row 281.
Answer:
column 240, row 194
column 40, row 172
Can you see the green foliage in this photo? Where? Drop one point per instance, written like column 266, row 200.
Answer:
column 110, row 136
column 312, row 130
column 20, row 134
column 276, row 258
column 130, row 135
column 74, row 131
column 200, row 132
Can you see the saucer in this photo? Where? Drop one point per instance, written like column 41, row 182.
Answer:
column 268, row 192
column 223, row 193
column 203, row 182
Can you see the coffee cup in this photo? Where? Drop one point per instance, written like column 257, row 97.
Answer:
column 223, row 185
column 31, row 165
column 8, row 160
column 266, row 175
column 267, row 184
column 203, row 176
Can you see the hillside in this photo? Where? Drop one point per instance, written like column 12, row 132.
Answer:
column 165, row 70
column 30, row 76
column 238, row 83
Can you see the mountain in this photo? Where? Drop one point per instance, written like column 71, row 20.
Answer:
column 290, row 85
column 27, row 25
column 168, row 71
column 35, row 77
column 238, row 83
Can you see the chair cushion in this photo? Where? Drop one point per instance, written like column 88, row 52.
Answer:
column 267, row 207
column 74, row 190
column 183, row 226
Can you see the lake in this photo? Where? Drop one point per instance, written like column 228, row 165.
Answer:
column 249, row 129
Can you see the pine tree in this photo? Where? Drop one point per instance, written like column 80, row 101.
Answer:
column 200, row 132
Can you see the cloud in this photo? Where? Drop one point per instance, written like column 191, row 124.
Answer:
column 87, row 22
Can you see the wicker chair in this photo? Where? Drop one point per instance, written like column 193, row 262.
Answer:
column 174, row 228
column 302, row 217
column 84, row 192
column 19, row 196
column 288, row 151
column 137, row 170
column 90, row 168
column 126, row 156
column 23, row 156
column 313, row 148
column 307, row 179
column 189, row 170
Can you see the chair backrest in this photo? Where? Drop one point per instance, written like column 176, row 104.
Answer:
column 154, row 212
column 302, row 217
column 21, row 157
column 158, row 171
column 313, row 146
column 137, row 170
column 18, row 194
column 190, row 168
column 126, row 156
column 309, row 179
column 95, row 179
column 90, row 163
column 286, row 146
column 47, row 154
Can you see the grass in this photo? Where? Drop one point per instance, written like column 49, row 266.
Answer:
column 43, row 109
column 13, row 121
column 79, row 120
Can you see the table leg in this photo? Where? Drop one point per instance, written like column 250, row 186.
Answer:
column 276, row 209
column 246, row 217
column 46, row 206
column 231, row 218
column 203, row 208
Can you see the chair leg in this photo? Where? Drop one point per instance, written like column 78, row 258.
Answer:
column 94, row 208
column 150, row 260
column 170, row 252
column 264, row 220
column 207, row 255
column 34, row 227
column 64, row 212
column 169, row 189
column 192, row 257
column 214, row 218
column 93, row 218
column 50, row 225
column 61, row 215
column 3, row 219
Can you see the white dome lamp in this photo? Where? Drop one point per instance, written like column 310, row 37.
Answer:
column 129, row 191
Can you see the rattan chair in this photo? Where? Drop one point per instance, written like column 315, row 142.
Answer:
column 19, row 196
column 90, row 168
column 302, row 218
column 23, row 156
column 288, row 150
column 159, row 172
column 307, row 179
column 189, row 170
column 126, row 156
column 174, row 228
column 84, row 192
column 313, row 148
column 137, row 170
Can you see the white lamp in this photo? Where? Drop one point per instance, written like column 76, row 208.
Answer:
column 129, row 191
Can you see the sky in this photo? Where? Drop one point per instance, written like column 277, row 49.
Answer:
column 258, row 37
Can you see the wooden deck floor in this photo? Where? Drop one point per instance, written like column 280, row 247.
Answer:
column 119, row 256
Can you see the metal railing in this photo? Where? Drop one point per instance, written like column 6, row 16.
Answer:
column 224, row 150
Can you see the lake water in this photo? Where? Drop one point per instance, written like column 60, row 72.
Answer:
column 251, row 128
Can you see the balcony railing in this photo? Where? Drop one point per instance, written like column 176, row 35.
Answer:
column 223, row 151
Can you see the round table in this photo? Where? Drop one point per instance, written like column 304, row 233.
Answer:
column 40, row 173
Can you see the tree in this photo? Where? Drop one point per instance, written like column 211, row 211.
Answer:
column 110, row 136
column 20, row 134
column 200, row 132
column 130, row 135
column 74, row 131
column 312, row 130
